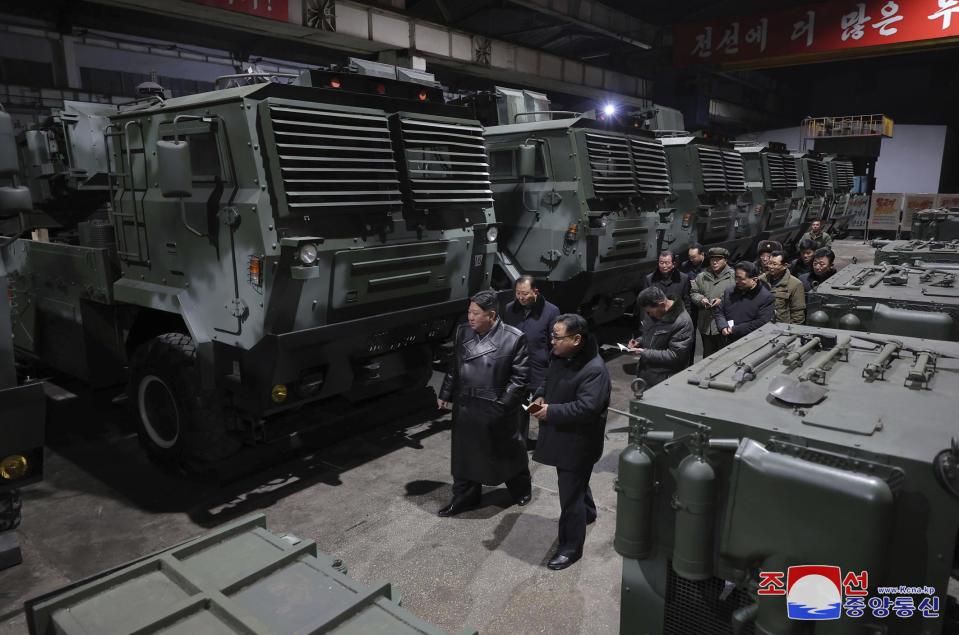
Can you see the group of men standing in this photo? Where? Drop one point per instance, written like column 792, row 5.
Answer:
column 534, row 359
column 531, row 353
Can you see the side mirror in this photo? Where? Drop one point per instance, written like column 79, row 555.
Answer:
column 527, row 160
column 174, row 172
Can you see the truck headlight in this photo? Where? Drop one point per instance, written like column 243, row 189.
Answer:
column 491, row 233
column 307, row 254
column 13, row 467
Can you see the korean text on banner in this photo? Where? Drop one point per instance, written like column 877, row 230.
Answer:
column 273, row 9
column 913, row 203
column 859, row 209
column 884, row 212
column 947, row 201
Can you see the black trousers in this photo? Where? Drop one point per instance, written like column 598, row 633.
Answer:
column 694, row 316
column 518, row 486
column 712, row 343
column 576, row 509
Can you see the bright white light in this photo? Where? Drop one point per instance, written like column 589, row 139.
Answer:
column 609, row 109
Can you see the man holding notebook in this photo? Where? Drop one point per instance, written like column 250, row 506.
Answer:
column 572, row 419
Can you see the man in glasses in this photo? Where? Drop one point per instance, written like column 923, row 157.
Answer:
column 745, row 306
column 485, row 385
column 572, row 420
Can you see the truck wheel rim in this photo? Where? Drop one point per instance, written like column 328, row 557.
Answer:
column 158, row 411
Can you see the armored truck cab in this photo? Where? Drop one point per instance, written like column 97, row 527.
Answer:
column 909, row 251
column 839, row 214
column 772, row 180
column 813, row 188
column 935, row 224
column 795, row 475
column 581, row 206
column 892, row 299
column 709, row 192
column 274, row 245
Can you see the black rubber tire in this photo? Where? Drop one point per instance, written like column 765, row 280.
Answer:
column 176, row 420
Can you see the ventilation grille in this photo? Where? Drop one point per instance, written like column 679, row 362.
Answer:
column 335, row 159
column 782, row 171
column 610, row 164
column 695, row 607
column 652, row 173
column 447, row 164
column 841, row 174
column 711, row 161
column 735, row 171
column 818, row 175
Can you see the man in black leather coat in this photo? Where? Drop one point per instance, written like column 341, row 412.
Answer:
column 572, row 420
column 485, row 385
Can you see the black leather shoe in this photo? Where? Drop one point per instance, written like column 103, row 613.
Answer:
column 524, row 500
column 458, row 505
column 562, row 560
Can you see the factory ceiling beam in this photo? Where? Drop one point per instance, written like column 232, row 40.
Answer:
column 597, row 17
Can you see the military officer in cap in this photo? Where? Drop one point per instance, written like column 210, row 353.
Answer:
column 707, row 294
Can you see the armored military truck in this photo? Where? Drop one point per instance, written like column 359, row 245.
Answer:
column 581, row 204
column 813, row 188
column 935, row 224
column 909, row 251
column 887, row 298
column 709, row 192
column 796, row 475
column 837, row 217
column 265, row 246
column 772, row 181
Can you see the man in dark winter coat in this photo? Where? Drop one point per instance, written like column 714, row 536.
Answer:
column 531, row 313
column 667, row 337
column 574, row 399
column 746, row 306
column 803, row 264
column 667, row 277
column 822, row 269
column 485, row 385
column 694, row 265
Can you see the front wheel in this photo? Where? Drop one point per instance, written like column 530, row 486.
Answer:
column 176, row 419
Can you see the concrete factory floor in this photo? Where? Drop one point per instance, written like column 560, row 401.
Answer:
column 370, row 500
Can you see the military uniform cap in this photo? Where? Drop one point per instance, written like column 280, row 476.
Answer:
column 718, row 252
column 770, row 245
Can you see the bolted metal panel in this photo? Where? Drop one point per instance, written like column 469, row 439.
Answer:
column 446, row 162
column 335, row 159
column 711, row 161
column 651, row 170
column 775, row 163
column 610, row 163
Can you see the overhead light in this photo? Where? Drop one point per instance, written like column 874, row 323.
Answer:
column 609, row 109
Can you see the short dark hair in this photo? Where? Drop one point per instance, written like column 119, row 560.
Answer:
column 651, row 296
column 527, row 279
column 485, row 300
column 808, row 243
column 575, row 324
column 825, row 252
column 816, row 220
column 667, row 252
column 776, row 253
column 749, row 268
column 697, row 247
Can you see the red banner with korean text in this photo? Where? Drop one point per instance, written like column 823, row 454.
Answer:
column 820, row 28
column 273, row 9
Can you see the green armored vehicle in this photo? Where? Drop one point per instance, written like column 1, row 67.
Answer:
column 772, row 181
column 265, row 246
column 801, row 480
column 910, row 251
column 935, row 224
column 709, row 191
column 238, row 578
column 887, row 298
column 814, row 188
column 836, row 219
column 581, row 203
column 22, row 405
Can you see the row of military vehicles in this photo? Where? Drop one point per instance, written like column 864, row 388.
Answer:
column 241, row 253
